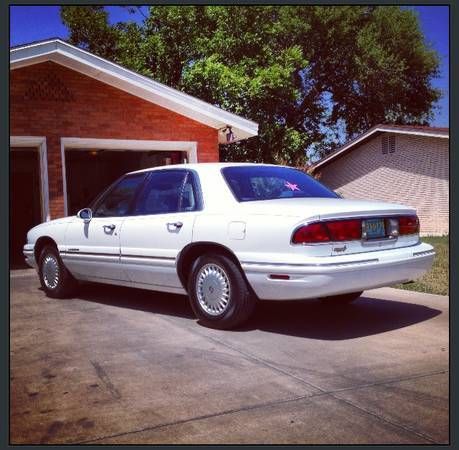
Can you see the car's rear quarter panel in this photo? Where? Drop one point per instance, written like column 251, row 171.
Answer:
column 266, row 237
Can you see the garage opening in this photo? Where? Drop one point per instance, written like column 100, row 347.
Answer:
column 89, row 172
column 25, row 200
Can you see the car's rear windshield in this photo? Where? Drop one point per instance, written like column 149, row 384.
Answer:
column 251, row 183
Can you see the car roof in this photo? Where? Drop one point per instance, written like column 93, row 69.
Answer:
column 200, row 166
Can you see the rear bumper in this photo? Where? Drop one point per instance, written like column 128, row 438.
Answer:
column 336, row 275
column 28, row 252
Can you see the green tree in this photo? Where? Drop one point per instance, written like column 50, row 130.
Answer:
column 309, row 75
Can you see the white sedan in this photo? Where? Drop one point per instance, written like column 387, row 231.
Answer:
column 228, row 235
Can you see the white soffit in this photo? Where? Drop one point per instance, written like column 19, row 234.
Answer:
column 117, row 76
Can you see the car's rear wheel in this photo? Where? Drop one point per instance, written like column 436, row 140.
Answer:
column 219, row 294
column 343, row 299
column 55, row 279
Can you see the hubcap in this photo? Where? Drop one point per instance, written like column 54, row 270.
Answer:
column 213, row 289
column 50, row 271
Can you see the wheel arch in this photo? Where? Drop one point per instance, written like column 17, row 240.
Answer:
column 40, row 244
column 192, row 251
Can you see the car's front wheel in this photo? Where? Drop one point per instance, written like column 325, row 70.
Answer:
column 219, row 294
column 55, row 279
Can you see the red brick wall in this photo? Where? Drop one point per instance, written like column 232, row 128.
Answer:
column 416, row 174
column 52, row 101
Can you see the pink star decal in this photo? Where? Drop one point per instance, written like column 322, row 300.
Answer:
column 291, row 186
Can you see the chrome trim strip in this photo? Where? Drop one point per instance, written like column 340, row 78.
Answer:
column 90, row 258
column 166, row 258
column 379, row 249
column 74, row 253
column 366, row 244
column 148, row 261
column 280, row 265
column 117, row 255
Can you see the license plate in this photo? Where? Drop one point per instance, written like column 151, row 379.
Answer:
column 374, row 229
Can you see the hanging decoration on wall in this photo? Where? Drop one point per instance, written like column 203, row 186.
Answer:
column 230, row 137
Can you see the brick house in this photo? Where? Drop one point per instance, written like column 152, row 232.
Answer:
column 395, row 163
column 78, row 121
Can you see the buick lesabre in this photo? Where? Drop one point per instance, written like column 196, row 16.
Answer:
column 228, row 235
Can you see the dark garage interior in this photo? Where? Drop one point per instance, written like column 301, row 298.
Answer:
column 25, row 201
column 89, row 172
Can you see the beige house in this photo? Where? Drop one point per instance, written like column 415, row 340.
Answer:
column 395, row 163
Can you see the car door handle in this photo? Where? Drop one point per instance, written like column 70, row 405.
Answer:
column 175, row 225
column 109, row 227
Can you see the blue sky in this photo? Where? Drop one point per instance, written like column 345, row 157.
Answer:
column 32, row 23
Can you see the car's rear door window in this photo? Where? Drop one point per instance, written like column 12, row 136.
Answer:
column 251, row 183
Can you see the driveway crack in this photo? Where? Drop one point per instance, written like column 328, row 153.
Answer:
column 194, row 419
column 386, row 420
column 106, row 380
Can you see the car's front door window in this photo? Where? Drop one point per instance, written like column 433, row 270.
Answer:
column 118, row 201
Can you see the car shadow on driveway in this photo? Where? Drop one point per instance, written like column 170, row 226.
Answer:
column 309, row 318
column 315, row 320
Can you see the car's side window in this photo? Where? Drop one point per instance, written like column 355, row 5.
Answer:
column 119, row 200
column 167, row 191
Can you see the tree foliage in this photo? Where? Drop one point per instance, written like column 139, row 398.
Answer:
column 309, row 75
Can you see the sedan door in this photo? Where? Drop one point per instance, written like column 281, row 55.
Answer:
column 92, row 249
column 161, row 225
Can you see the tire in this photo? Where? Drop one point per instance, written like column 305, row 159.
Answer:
column 343, row 299
column 55, row 279
column 219, row 294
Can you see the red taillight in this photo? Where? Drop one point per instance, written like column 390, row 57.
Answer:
column 408, row 225
column 345, row 230
column 310, row 234
column 349, row 230
column 336, row 230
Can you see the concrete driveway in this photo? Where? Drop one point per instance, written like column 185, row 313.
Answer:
column 119, row 365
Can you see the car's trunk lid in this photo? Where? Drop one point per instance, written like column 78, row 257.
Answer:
column 324, row 209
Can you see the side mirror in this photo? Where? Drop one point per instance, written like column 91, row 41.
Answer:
column 85, row 214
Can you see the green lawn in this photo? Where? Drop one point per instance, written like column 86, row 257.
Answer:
column 436, row 280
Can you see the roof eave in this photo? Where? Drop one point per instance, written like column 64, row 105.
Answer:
column 133, row 83
column 370, row 134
